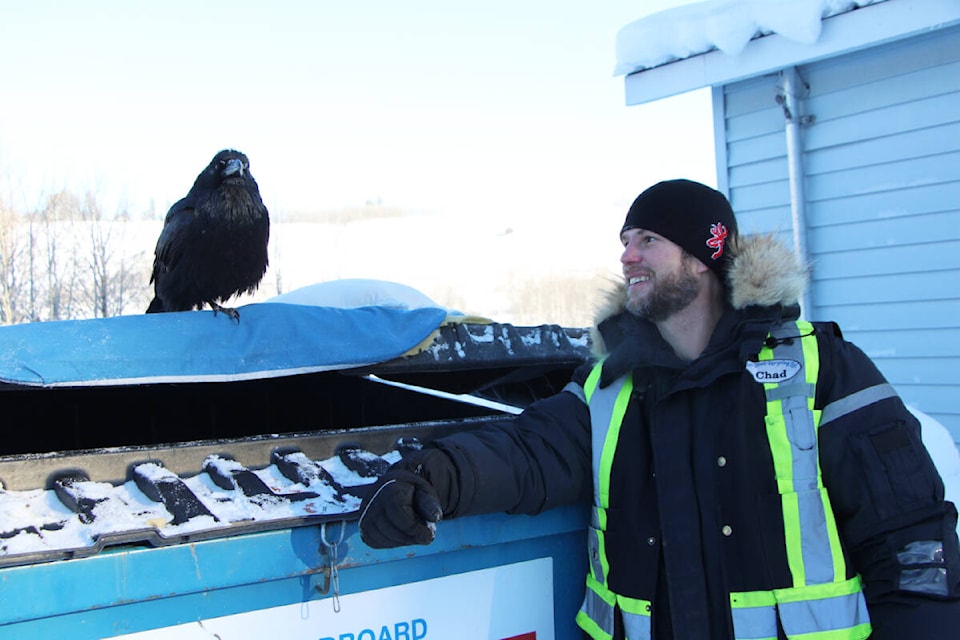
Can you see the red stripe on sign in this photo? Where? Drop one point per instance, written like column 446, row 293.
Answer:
column 524, row 636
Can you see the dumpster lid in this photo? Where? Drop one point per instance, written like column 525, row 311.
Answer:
column 270, row 339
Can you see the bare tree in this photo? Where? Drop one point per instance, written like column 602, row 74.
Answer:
column 67, row 260
column 570, row 300
column 11, row 258
column 111, row 285
column 55, row 233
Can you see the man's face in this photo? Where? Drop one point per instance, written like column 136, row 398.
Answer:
column 661, row 278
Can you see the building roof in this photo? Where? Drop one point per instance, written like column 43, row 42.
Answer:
column 722, row 41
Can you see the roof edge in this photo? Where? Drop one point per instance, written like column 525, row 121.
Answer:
column 866, row 27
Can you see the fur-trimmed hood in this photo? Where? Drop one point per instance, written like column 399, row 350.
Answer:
column 763, row 272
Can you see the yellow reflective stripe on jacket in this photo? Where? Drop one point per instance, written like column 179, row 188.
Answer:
column 607, row 407
column 814, row 553
column 597, row 611
column 614, row 399
column 803, row 612
column 636, row 618
column 592, row 381
column 822, row 604
column 596, row 615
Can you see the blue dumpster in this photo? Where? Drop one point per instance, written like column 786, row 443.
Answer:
column 183, row 475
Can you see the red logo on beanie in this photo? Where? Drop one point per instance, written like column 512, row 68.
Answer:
column 718, row 238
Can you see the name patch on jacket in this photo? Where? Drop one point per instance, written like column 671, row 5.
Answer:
column 773, row 370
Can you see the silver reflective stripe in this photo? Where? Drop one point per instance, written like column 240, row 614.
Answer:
column 810, row 616
column 577, row 390
column 599, row 611
column 802, row 434
column 755, row 623
column 594, row 520
column 811, row 608
column 593, row 548
column 636, row 626
column 863, row 398
column 785, row 390
column 841, row 616
column 798, row 418
column 601, row 412
column 815, row 540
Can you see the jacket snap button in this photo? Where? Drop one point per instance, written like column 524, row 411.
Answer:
column 726, row 530
column 721, row 461
column 651, row 541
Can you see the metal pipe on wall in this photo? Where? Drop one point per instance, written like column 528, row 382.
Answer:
column 792, row 88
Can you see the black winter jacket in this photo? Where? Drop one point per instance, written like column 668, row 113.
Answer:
column 693, row 460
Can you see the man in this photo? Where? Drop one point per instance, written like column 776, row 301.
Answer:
column 753, row 475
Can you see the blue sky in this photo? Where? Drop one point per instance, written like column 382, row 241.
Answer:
column 425, row 105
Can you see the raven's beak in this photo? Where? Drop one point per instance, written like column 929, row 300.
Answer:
column 234, row 165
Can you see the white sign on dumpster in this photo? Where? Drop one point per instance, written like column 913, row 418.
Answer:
column 510, row 602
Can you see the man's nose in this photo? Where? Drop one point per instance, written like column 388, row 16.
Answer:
column 630, row 254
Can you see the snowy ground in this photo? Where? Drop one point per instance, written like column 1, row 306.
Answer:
column 467, row 263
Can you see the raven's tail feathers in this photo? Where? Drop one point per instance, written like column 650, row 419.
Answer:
column 156, row 306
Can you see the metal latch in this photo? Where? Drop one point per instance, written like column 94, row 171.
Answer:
column 331, row 573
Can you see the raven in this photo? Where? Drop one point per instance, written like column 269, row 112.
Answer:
column 214, row 241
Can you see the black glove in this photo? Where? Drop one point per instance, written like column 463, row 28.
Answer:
column 403, row 510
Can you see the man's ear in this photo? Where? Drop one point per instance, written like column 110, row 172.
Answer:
column 698, row 266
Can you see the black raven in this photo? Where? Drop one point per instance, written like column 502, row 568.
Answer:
column 214, row 241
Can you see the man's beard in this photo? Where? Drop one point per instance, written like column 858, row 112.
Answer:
column 671, row 293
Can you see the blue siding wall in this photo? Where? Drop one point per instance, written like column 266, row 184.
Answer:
column 882, row 183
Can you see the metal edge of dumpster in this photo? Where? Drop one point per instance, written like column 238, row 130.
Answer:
column 185, row 587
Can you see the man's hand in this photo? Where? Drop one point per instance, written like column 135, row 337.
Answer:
column 403, row 510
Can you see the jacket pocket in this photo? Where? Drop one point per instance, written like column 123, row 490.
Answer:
column 896, row 470
column 633, row 551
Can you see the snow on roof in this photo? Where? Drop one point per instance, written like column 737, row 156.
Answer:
column 725, row 25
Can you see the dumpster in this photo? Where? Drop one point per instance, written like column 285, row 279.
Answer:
column 184, row 475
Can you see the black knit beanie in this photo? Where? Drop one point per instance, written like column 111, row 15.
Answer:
column 692, row 215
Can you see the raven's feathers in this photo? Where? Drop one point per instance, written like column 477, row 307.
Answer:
column 213, row 245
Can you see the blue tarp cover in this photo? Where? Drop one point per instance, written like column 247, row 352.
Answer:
column 271, row 339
